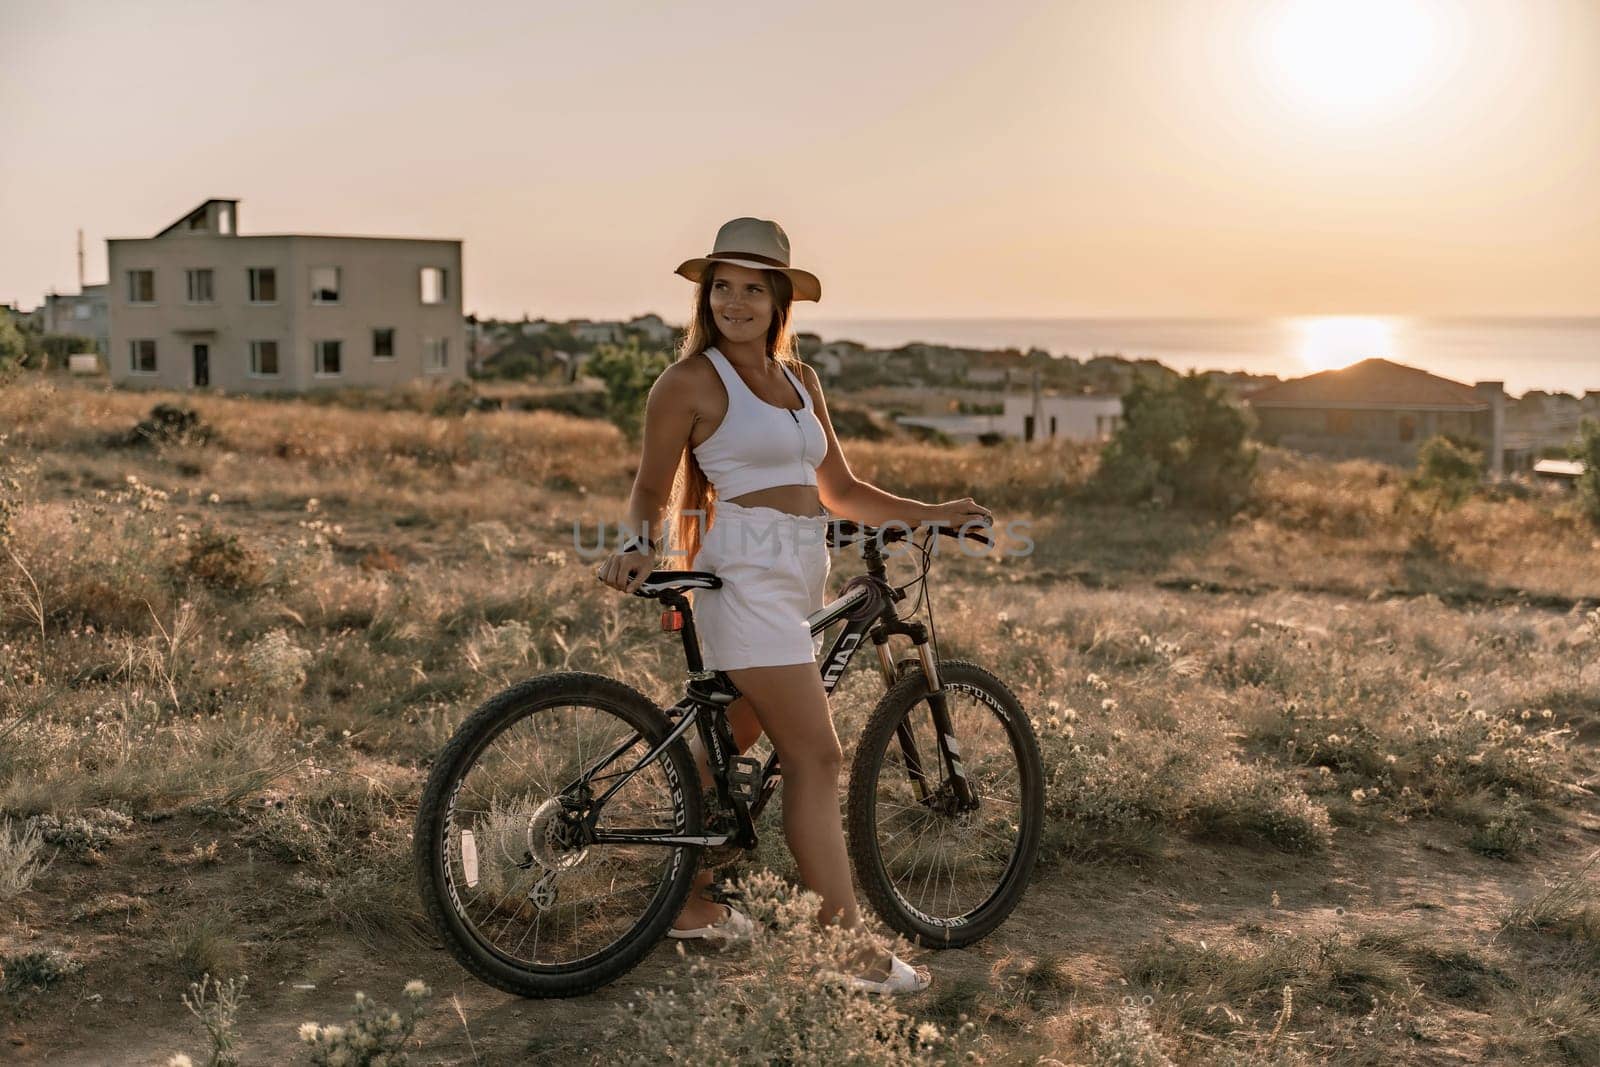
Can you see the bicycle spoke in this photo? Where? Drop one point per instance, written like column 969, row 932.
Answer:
column 529, row 891
column 943, row 862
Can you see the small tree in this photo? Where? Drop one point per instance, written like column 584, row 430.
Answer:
column 1587, row 452
column 1181, row 441
column 13, row 346
column 1449, row 471
column 628, row 373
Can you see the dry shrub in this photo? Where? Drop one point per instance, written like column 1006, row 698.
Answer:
column 351, row 839
column 1238, row 986
column 127, row 750
column 20, row 861
column 1353, row 499
column 274, row 663
column 778, row 1004
column 1037, row 477
column 1114, row 785
column 224, row 561
column 101, row 564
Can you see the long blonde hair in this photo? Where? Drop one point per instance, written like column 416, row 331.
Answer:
column 691, row 490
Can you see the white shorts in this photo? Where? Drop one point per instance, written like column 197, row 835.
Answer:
column 774, row 569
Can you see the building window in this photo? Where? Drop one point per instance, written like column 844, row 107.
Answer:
column 264, row 358
column 325, row 356
column 383, row 344
column 224, row 218
column 435, row 353
column 324, row 285
column 1408, row 428
column 200, row 286
column 263, row 285
column 433, row 287
column 142, row 355
column 82, row 311
column 141, row 287
column 1339, row 422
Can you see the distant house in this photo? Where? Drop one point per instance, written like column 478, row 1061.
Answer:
column 1538, row 420
column 654, row 328
column 202, row 305
column 1047, row 417
column 1380, row 410
column 86, row 314
column 596, row 332
column 826, row 363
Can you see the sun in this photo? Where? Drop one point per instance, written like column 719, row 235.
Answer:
column 1348, row 59
column 1335, row 341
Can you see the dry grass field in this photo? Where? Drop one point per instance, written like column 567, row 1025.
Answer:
column 1321, row 779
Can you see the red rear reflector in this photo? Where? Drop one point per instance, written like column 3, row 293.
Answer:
column 672, row 619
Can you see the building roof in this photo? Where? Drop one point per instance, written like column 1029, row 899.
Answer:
column 192, row 212
column 1372, row 383
column 1559, row 468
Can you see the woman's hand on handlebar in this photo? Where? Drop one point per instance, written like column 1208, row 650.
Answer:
column 626, row 570
column 959, row 513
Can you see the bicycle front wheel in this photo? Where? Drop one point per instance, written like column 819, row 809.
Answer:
column 942, row 876
column 503, row 871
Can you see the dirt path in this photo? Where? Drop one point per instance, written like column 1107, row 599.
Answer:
column 123, row 1011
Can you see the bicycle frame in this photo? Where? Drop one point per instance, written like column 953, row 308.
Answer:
column 709, row 693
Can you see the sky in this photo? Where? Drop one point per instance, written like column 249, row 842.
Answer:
column 1017, row 159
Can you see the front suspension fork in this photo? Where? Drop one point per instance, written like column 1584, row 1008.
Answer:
column 939, row 709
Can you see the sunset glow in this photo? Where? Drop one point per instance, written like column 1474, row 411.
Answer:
column 1330, row 342
column 1189, row 158
column 1347, row 59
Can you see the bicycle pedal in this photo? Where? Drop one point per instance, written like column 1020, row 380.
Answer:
column 744, row 778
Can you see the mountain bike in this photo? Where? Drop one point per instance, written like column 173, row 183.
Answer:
column 561, row 826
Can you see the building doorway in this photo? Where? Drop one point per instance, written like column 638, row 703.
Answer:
column 202, row 365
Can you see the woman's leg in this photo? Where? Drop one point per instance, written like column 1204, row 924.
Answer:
column 792, row 707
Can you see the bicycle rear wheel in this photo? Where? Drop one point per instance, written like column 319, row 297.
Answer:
column 943, row 877
column 504, row 879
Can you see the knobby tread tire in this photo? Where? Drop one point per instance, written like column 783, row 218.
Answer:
column 861, row 821
column 429, row 855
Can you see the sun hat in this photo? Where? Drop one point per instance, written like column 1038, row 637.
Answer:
column 758, row 243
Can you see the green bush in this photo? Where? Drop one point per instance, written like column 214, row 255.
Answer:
column 628, row 373
column 1181, row 442
column 1449, row 469
column 1587, row 452
column 13, row 346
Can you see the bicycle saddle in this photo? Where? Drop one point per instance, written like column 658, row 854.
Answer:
column 662, row 582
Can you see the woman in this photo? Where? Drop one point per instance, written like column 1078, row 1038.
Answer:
column 738, row 428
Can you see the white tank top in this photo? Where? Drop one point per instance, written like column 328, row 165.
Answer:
column 760, row 445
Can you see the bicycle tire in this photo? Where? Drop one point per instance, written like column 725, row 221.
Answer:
column 431, row 854
column 862, row 819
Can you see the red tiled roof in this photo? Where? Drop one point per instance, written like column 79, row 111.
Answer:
column 1371, row 383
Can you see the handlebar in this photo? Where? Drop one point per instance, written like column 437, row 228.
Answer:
column 843, row 532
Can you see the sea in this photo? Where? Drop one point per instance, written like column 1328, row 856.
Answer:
column 1557, row 355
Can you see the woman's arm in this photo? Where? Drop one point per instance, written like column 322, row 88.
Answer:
column 852, row 498
column 668, row 418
